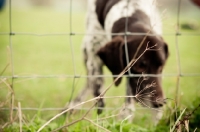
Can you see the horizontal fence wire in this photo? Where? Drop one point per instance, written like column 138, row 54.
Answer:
column 60, row 109
column 103, row 76
column 92, row 34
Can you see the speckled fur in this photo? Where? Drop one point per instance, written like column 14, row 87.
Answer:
column 94, row 40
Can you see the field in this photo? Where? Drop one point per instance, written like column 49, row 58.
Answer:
column 44, row 59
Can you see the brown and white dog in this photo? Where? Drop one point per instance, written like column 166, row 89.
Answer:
column 104, row 46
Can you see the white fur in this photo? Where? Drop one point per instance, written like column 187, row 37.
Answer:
column 125, row 8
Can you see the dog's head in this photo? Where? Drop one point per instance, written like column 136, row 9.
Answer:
column 154, row 53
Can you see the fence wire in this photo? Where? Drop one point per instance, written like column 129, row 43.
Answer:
column 75, row 75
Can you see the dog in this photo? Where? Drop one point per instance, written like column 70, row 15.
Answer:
column 106, row 43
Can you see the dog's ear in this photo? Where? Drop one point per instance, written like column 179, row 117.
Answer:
column 112, row 54
column 166, row 50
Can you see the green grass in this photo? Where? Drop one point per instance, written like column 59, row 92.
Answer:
column 51, row 55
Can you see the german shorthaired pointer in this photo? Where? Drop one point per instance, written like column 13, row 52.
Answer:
column 111, row 17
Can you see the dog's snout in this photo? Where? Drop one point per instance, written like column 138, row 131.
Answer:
column 158, row 104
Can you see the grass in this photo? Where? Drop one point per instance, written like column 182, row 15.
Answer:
column 51, row 55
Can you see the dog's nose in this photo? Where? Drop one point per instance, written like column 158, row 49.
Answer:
column 159, row 103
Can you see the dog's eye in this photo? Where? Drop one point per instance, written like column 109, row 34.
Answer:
column 142, row 64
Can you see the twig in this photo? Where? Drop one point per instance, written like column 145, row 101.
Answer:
column 138, row 88
column 3, row 80
column 10, row 122
column 12, row 106
column 96, row 124
column 20, row 116
column 8, row 85
column 4, row 69
column 7, row 96
column 140, row 45
column 12, row 98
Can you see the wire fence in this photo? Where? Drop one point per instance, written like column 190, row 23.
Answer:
column 12, row 33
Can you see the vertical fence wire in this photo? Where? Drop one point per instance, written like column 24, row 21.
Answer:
column 125, row 36
column 11, row 60
column 72, row 53
column 178, row 54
